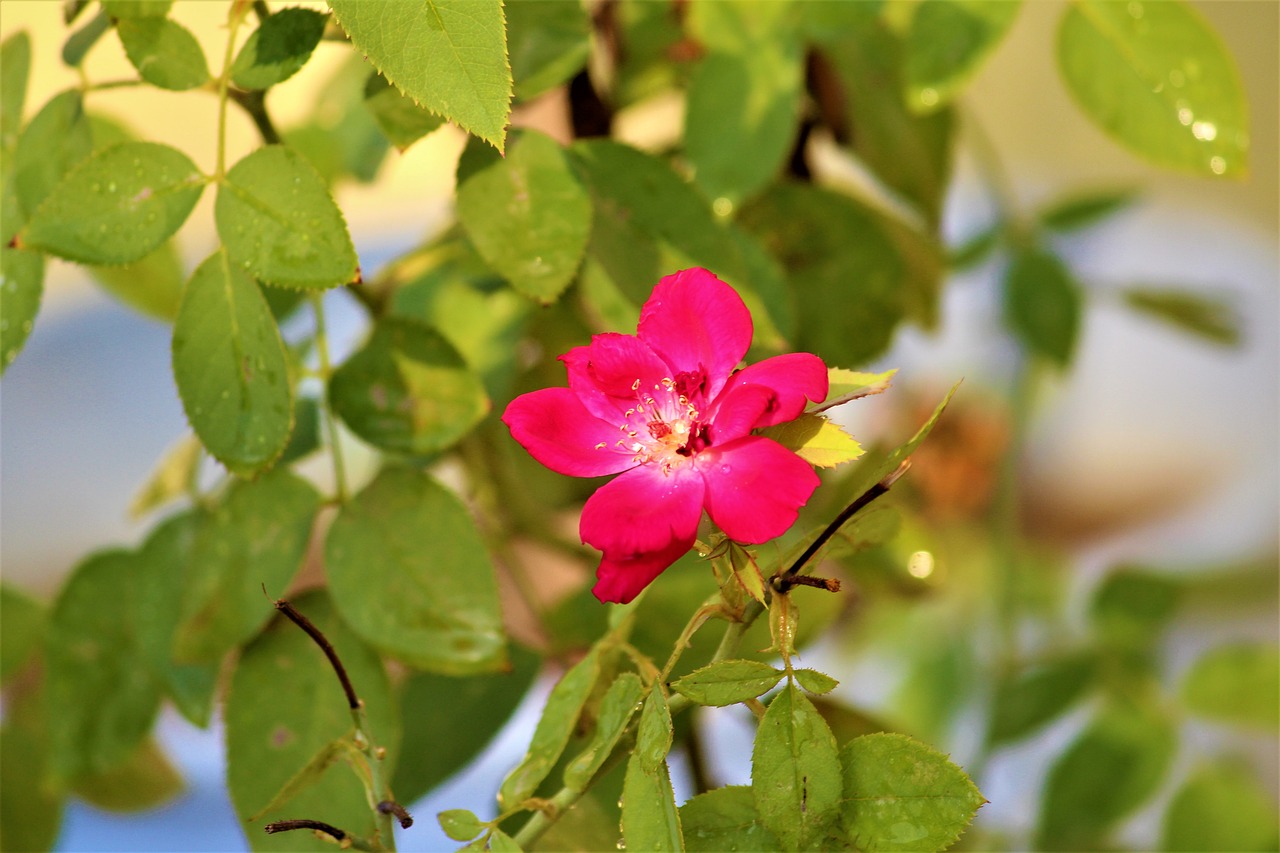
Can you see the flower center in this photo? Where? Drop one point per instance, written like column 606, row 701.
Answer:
column 664, row 427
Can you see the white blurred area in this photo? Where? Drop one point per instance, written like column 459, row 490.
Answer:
column 1150, row 426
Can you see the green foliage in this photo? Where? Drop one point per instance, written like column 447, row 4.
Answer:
column 278, row 221
column 526, row 212
column 435, row 608
column 268, row 743
column 448, row 55
column 795, row 771
column 553, row 241
column 1237, row 683
column 1156, row 78
column 230, row 367
column 902, row 795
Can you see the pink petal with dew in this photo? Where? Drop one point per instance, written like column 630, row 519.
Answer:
column 739, row 409
column 559, row 432
column 798, row 378
column 621, row 579
column 696, row 321
column 755, row 487
column 643, row 511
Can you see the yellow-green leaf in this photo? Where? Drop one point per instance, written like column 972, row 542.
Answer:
column 816, row 440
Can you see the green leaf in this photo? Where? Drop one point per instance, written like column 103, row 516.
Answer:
column 1082, row 210
column 101, row 694
column 283, row 706
column 152, row 285
column 551, row 735
column 30, row 807
column 650, row 819
column 230, row 367
column 1237, row 683
column 163, row 574
column 21, row 286
column 548, row 41
column 80, row 42
column 460, row 824
column 56, row 139
column 411, row 576
column 910, row 153
column 1156, row 78
column 975, row 249
column 278, row 221
column 146, row 780
column 278, row 48
column 1043, row 305
column 255, row 538
column 1132, row 607
column 448, row 55
column 15, row 68
column 728, row 682
column 747, row 571
column 403, row 121
column 725, row 819
column 118, row 206
column 170, row 478
column 815, row 439
column 1114, row 765
column 745, row 89
column 1024, row 701
column 305, row 438
column 134, row 9
column 1221, row 806
column 619, row 703
column 795, row 771
column 408, row 390
column 165, row 53
column 526, row 212
column 500, row 842
column 900, row 794
column 1211, row 318
column 843, row 269
column 814, row 681
column 22, row 622
column 947, row 42
column 654, row 733
column 847, row 385
column 477, row 708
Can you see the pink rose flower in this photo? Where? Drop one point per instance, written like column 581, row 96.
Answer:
column 667, row 410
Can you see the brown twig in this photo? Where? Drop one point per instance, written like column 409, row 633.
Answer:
column 322, row 641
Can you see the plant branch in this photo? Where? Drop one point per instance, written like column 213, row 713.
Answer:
column 322, row 641
column 254, row 103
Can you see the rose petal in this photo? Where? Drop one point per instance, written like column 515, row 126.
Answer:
column 605, row 372
column 797, row 378
column 739, row 409
column 643, row 511
column 621, row 579
column 755, row 487
column 697, row 322
column 558, row 431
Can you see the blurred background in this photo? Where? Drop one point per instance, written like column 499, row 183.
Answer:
column 1155, row 449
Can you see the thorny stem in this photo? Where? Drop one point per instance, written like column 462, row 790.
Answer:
column 331, row 424
column 380, row 799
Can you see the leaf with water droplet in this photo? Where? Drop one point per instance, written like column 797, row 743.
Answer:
column 728, row 682
column 56, row 139
column 616, row 708
column 795, row 770
column 104, row 213
column 653, row 735
column 223, row 328
column 650, row 819
column 21, row 285
column 725, row 819
column 277, row 219
column 1156, row 77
